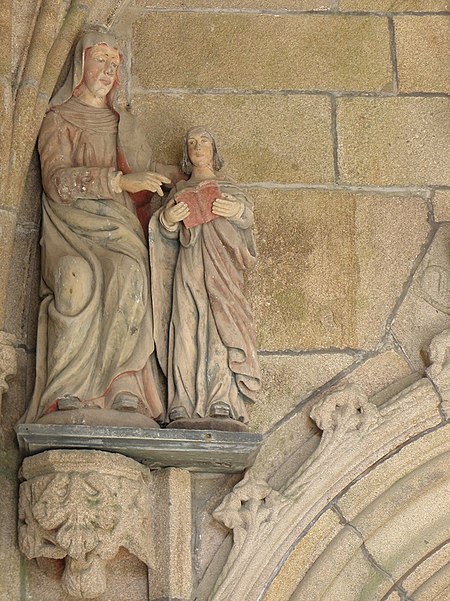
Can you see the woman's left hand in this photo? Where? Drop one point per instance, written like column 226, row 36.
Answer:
column 228, row 206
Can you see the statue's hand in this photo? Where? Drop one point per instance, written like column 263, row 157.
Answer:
column 173, row 172
column 146, row 180
column 174, row 213
column 228, row 206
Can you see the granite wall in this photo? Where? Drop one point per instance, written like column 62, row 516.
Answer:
column 333, row 114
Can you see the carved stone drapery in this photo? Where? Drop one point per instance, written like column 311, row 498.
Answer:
column 8, row 361
column 83, row 506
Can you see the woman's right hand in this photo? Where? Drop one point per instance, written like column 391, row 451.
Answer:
column 145, row 180
column 174, row 213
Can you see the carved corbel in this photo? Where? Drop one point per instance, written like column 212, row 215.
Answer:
column 83, row 506
column 8, row 361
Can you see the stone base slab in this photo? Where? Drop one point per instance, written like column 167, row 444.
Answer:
column 194, row 450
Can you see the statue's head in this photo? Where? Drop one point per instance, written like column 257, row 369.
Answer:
column 200, row 150
column 94, row 73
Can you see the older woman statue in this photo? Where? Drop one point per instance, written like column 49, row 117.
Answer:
column 95, row 361
column 201, row 243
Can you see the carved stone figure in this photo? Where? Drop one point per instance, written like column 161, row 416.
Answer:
column 82, row 506
column 95, row 337
column 204, row 333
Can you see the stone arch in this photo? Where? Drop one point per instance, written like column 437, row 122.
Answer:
column 366, row 516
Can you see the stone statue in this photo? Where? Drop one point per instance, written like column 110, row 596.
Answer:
column 204, row 333
column 95, row 361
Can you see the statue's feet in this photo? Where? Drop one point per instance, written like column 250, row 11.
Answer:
column 125, row 401
column 220, row 410
column 69, row 402
column 219, row 419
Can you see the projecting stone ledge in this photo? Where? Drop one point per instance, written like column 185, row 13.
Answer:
column 194, row 450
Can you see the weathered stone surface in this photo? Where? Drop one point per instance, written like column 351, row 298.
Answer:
column 239, row 4
column 428, row 571
column 303, row 557
column 83, row 506
column 394, row 141
column 171, row 577
column 379, row 376
column 404, row 537
column 394, row 5
column 384, row 490
column 335, row 53
column 208, row 491
column 7, row 232
column 423, row 54
column 8, row 361
column 21, row 313
column 9, row 553
column 425, row 311
column 290, row 141
column 287, row 380
column 437, row 588
column 331, row 265
column 441, row 205
column 389, row 234
column 24, row 14
column 292, row 443
column 30, row 210
column 127, row 579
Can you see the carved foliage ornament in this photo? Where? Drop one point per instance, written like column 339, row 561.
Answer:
column 254, row 511
column 83, row 506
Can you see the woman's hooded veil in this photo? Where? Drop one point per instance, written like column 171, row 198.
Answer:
column 131, row 141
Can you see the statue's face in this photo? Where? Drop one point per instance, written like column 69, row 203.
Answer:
column 200, row 149
column 100, row 67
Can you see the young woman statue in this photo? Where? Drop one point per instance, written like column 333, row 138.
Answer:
column 204, row 337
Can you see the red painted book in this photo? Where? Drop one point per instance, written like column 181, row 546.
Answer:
column 199, row 200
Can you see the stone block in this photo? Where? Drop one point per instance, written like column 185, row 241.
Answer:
column 423, row 53
column 393, row 475
column 262, row 5
column 310, row 547
column 263, row 52
column 425, row 310
column 21, row 312
column 30, row 210
column 379, row 376
column 441, row 205
column 290, row 444
column 171, row 577
column 426, row 575
column 9, row 553
column 394, row 141
column 262, row 138
column 437, row 588
column 414, row 528
column 7, row 233
column 288, row 379
column 339, row 570
column 331, row 265
column 394, row 6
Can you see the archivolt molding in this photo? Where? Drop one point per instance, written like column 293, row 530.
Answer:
column 356, row 436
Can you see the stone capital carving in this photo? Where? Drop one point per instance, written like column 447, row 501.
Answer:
column 83, row 506
column 8, row 361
